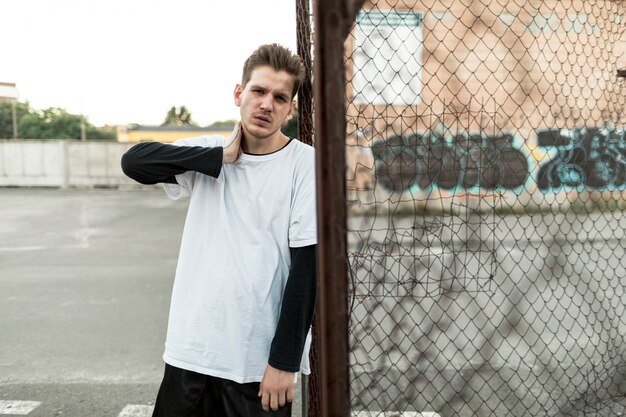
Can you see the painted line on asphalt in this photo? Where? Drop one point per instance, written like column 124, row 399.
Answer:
column 18, row 408
column 136, row 410
column 23, row 408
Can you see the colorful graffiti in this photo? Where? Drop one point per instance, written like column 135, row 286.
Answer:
column 431, row 160
column 588, row 157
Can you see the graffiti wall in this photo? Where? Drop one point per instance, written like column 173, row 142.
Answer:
column 460, row 100
column 464, row 162
column 587, row 158
column 583, row 158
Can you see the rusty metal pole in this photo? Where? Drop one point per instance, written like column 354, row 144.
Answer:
column 305, row 93
column 310, row 384
column 330, row 130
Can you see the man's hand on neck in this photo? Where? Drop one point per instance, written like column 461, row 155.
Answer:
column 232, row 148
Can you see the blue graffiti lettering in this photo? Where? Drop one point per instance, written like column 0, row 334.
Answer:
column 587, row 157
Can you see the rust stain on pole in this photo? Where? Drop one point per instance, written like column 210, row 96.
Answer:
column 330, row 127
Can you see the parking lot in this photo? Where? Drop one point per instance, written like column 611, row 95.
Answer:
column 86, row 278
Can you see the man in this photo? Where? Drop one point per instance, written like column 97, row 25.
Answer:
column 244, row 291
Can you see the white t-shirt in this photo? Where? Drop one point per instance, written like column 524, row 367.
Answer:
column 234, row 259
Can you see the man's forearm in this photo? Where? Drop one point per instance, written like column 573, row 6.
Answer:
column 153, row 162
column 296, row 311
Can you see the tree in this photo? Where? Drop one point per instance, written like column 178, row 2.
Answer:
column 6, row 117
column 290, row 128
column 56, row 123
column 178, row 117
column 223, row 124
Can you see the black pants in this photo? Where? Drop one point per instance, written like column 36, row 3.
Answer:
column 190, row 394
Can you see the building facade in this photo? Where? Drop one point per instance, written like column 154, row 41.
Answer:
column 509, row 100
column 142, row 133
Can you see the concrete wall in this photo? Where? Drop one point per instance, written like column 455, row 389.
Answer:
column 61, row 163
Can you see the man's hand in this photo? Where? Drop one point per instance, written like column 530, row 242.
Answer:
column 276, row 388
column 232, row 148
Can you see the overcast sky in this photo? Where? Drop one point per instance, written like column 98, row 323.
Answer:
column 129, row 61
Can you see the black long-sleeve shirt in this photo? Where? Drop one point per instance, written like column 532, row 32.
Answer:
column 152, row 163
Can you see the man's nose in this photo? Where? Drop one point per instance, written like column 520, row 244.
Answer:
column 266, row 102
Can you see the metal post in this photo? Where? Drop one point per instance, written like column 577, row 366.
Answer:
column 309, row 384
column 305, row 395
column 82, row 122
column 305, row 94
column 330, row 128
column 14, row 117
column 82, row 127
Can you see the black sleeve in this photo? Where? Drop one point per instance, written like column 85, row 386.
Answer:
column 153, row 162
column 296, row 312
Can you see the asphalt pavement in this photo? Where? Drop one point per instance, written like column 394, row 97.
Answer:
column 85, row 285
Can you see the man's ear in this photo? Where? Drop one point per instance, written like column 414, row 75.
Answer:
column 237, row 94
column 291, row 110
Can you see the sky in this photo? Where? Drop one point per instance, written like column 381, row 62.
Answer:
column 129, row 61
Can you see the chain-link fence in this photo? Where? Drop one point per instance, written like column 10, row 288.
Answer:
column 486, row 178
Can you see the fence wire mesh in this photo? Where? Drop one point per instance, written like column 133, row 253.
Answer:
column 304, row 35
column 486, row 177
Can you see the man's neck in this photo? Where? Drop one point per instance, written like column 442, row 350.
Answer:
column 250, row 144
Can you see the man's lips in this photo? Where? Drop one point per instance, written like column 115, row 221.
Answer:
column 263, row 119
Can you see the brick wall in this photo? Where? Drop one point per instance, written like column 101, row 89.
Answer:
column 494, row 68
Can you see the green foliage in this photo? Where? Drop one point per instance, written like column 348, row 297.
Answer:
column 52, row 123
column 104, row 133
column 6, row 117
column 223, row 124
column 290, row 128
column 56, row 123
column 178, row 117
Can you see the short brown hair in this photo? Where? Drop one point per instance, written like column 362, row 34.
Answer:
column 277, row 57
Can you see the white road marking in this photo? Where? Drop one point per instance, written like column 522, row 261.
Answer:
column 18, row 408
column 134, row 410
column 23, row 408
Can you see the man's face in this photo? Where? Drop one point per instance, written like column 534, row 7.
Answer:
column 265, row 102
